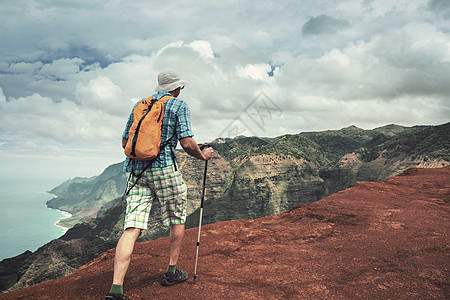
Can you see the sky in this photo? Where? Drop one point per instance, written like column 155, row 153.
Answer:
column 70, row 71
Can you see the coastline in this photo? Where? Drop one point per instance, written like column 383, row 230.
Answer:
column 65, row 215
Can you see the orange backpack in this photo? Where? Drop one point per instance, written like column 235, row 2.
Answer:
column 144, row 137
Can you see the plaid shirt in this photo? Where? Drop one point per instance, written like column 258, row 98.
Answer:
column 176, row 125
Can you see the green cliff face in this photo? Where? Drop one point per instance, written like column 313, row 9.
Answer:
column 267, row 176
column 83, row 197
column 253, row 177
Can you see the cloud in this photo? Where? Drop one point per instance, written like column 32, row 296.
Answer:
column 36, row 117
column 102, row 94
column 254, row 71
column 440, row 6
column 221, row 86
column 70, row 76
column 60, row 69
column 414, row 65
column 324, row 25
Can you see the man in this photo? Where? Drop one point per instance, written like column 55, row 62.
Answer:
column 162, row 181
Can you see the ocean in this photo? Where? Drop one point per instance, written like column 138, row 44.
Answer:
column 25, row 221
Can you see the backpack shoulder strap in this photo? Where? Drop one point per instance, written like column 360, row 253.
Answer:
column 150, row 100
column 165, row 98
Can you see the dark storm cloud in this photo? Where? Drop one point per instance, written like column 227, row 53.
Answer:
column 324, row 25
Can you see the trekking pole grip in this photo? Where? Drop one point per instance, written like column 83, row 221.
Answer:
column 203, row 146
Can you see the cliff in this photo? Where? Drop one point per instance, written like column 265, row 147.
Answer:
column 374, row 240
column 83, row 197
column 249, row 177
column 275, row 173
column 254, row 177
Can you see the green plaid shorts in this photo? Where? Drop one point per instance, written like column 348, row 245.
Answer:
column 164, row 184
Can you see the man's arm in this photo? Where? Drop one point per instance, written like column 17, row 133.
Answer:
column 191, row 148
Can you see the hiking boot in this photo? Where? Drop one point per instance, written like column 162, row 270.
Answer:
column 170, row 278
column 114, row 296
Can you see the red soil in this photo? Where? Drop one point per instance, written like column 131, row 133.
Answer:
column 375, row 240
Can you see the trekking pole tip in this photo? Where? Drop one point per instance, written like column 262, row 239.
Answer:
column 195, row 277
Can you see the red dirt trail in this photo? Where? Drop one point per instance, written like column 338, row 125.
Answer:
column 375, row 240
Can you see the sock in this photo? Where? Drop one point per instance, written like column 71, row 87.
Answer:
column 172, row 269
column 116, row 289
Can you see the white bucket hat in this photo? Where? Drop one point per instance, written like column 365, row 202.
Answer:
column 168, row 81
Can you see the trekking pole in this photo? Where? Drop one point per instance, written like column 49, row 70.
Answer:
column 201, row 215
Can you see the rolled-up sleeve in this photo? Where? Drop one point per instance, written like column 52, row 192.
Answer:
column 183, row 125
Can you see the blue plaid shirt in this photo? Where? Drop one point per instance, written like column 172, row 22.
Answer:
column 176, row 125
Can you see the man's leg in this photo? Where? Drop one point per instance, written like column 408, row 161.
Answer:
column 174, row 275
column 124, row 250
column 176, row 237
column 173, row 200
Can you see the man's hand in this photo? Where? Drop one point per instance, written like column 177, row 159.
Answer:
column 208, row 152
